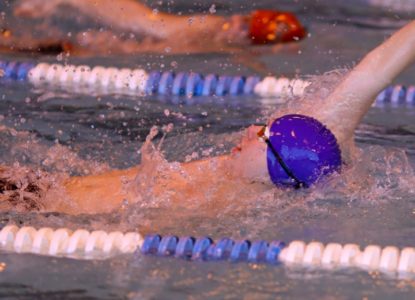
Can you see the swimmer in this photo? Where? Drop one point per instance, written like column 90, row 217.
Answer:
column 208, row 32
column 299, row 149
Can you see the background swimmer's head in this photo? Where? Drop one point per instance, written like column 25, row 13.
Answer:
column 268, row 27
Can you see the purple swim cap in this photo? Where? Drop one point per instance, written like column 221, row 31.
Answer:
column 300, row 151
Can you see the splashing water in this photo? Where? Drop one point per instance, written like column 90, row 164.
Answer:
column 371, row 201
column 207, row 198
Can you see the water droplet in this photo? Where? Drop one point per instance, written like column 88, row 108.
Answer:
column 168, row 128
column 212, row 9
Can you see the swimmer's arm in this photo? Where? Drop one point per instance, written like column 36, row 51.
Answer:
column 353, row 97
column 129, row 15
column 98, row 193
column 106, row 191
column 246, row 161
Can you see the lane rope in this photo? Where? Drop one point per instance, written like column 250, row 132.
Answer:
column 65, row 242
column 127, row 81
column 83, row 244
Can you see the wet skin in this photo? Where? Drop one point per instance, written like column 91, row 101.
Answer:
column 349, row 101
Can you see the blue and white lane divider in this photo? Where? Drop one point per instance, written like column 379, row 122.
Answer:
column 79, row 243
column 139, row 82
column 82, row 244
column 314, row 254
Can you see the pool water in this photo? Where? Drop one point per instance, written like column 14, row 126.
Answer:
column 372, row 203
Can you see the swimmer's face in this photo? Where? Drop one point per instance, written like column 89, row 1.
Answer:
column 249, row 158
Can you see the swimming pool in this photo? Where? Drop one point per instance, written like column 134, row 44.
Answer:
column 101, row 131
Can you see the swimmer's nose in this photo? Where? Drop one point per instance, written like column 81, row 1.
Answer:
column 268, row 27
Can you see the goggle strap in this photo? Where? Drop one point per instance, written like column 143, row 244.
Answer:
column 298, row 183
